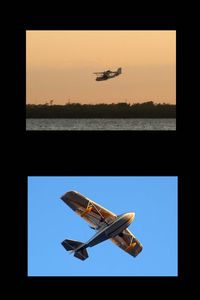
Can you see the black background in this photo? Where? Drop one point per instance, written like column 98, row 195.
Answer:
column 97, row 153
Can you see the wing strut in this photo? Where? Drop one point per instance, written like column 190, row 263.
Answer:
column 98, row 211
column 89, row 208
column 85, row 212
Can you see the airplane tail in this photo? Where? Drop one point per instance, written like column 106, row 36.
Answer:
column 119, row 71
column 76, row 247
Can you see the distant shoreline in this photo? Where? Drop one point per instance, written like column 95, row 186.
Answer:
column 101, row 111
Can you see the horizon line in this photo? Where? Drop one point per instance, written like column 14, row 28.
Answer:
column 85, row 103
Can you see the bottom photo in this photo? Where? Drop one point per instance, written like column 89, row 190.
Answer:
column 102, row 226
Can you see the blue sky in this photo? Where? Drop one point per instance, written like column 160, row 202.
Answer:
column 50, row 221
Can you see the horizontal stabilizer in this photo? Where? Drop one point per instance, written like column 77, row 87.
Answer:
column 71, row 245
column 76, row 247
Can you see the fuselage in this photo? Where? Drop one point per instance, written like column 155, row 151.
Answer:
column 107, row 76
column 111, row 230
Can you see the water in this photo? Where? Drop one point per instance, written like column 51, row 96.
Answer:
column 101, row 124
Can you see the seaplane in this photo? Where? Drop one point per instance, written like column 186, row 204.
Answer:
column 105, row 75
column 106, row 224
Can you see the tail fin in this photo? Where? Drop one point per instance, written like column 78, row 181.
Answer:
column 76, row 247
column 119, row 71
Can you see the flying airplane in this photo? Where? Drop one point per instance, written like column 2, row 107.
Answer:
column 107, row 224
column 108, row 74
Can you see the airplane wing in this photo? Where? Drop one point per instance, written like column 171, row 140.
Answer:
column 128, row 242
column 99, row 73
column 90, row 211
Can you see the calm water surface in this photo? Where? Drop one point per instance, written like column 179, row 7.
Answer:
column 101, row 124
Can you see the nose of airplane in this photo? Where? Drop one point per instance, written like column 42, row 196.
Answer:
column 130, row 216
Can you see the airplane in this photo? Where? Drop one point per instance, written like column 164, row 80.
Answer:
column 107, row 224
column 108, row 74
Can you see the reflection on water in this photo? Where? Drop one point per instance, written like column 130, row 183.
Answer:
column 101, row 124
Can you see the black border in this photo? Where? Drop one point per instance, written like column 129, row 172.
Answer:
column 98, row 153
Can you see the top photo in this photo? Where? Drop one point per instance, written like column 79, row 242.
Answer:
column 101, row 80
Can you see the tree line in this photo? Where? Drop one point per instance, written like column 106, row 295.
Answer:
column 119, row 110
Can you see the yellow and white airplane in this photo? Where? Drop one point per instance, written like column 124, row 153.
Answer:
column 107, row 224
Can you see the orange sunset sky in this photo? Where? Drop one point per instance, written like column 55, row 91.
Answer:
column 60, row 66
